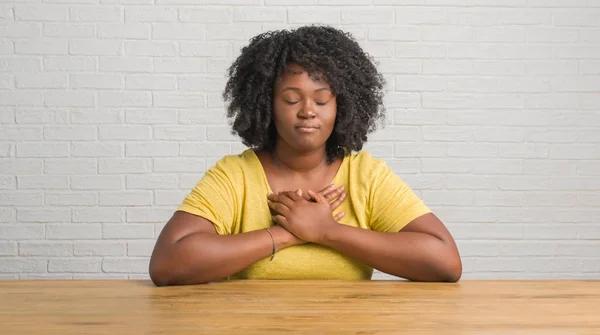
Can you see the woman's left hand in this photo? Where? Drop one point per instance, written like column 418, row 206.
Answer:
column 308, row 220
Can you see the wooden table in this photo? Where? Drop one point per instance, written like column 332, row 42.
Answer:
column 308, row 307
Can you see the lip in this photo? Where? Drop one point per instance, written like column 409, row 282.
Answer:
column 307, row 128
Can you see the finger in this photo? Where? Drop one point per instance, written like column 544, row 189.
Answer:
column 338, row 216
column 283, row 198
column 279, row 207
column 299, row 192
column 333, row 194
column 317, row 197
column 280, row 220
column 327, row 189
column 338, row 201
column 292, row 196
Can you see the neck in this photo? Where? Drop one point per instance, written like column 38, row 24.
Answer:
column 286, row 158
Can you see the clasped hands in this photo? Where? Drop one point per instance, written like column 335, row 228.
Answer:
column 309, row 216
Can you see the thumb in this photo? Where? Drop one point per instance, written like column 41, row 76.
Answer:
column 316, row 197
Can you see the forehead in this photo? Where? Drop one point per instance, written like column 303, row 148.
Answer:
column 296, row 75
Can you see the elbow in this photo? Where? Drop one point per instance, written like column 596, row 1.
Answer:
column 159, row 274
column 451, row 268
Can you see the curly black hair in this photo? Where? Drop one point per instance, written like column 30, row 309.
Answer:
column 350, row 72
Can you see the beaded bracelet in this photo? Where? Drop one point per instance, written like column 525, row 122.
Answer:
column 273, row 239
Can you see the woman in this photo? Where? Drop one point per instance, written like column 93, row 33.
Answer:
column 303, row 102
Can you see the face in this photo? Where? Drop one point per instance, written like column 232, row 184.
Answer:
column 304, row 110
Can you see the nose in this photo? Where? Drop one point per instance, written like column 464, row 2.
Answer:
column 306, row 112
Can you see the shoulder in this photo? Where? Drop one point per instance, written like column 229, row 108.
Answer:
column 235, row 162
column 363, row 162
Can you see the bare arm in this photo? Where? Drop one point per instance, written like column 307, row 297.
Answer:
column 189, row 251
column 424, row 250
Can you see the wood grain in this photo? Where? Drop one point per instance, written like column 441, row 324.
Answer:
column 300, row 307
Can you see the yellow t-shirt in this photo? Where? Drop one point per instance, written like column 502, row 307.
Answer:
column 233, row 195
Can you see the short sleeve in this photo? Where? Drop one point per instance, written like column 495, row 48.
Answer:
column 213, row 198
column 393, row 202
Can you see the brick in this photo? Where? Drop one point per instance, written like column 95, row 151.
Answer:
column 178, row 31
column 71, row 98
column 96, row 182
column 588, row 232
column 69, row 133
column 216, row 65
column 99, row 81
column 559, row 67
column 470, row 182
column 405, row 83
column 171, row 165
column 21, row 30
column 21, row 64
column 8, row 249
column 444, row 133
column 549, row 231
column 179, row 100
column 576, row 52
column 45, row 248
column 447, row 67
column 140, row 248
column 204, row 49
column 21, row 98
column 96, row 115
column 208, row 14
column 73, row 231
column 504, row 134
column 203, row 149
column 393, row 33
column 69, row 30
column 97, row 149
column 127, row 231
column 575, row 151
column 448, row 198
column 151, row 82
column 125, row 64
column 20, row 133
column 41, row 47
column 576, row 183
column 523, row 150
column 43, row 149
column 589, row 66
column 577, row 18
column 488, row 230
column 446, row 34
column 125, row 265
column 74, row 265
column 70, row 198
column 576, row 84
column 151, row 48
column 7, row 47
column 69, row 63
column 124, row 165
column 368, row 15
column 214, row 116
column 7, row 116
column 499, row 198
column 151, row 116
column 406, row 165
column 472, row 150
column 552, row 167
column 149, row 214
column 42, row 182
column 201, row 83
column 151, row 182
column 70, row 166
column 587, row 168
column 21, row 232
column 468, row 85
column 124, row 99
column 127, row 133
column 97, row 214
column 20, row 265
column 153, row 149
column 419, row 117
column 396, row 133
column 124, row 31
column 100, row 248
column 507, row 101
column 150, row 14
column 21, row 166
column 96, row 47
column 322, row 15
column 42, row 80
column 552, row 101
column 524, row 183
column 251, row 14
column 517, row 85
column 41, row 12
column 496, row 166
column 186, row 66
column 495, row 67
column 401, row 66
column 8, row 183
column 7, row 81
column 125, row 198
column 439, row 165
column 554, row 199
column 420, row 149
column 90, row 13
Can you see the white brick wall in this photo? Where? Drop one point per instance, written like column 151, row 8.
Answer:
column 110, row 111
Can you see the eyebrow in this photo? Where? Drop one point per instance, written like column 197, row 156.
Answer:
column 297, row 89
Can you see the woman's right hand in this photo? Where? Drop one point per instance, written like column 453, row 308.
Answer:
column 334, row 195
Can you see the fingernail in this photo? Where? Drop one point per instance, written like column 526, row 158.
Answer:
column 342, row 188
